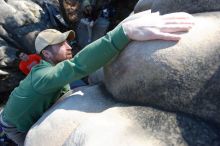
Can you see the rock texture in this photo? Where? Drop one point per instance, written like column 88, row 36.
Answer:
column 20, row 22
column 88, row 116
column 177, row 84
column 168, row 6
column 9, row 74
column 67, row 114
column 176, row 76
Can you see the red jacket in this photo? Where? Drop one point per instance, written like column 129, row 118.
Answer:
column 25, row 66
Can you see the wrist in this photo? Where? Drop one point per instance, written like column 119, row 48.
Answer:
column 119, row 39
column 125, row 29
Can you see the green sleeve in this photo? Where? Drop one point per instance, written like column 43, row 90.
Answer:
column 88, row 60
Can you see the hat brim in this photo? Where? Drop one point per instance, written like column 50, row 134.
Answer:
column 69, row 35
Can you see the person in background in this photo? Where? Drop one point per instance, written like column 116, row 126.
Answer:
column 27, row 61
column 71, row 12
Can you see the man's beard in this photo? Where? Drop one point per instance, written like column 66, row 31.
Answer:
column 73, row 18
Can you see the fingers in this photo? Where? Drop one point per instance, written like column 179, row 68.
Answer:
column 168, row 36
column 175, row 22
column 178, row 21
column 177, row 15
column 176, row 28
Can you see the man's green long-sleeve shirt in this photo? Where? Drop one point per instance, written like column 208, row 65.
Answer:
column 45, row 83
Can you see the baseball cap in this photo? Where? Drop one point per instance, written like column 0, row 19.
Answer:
column 51, row 37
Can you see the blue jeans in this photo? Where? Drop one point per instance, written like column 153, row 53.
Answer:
column 77, row 83
column 12, row 132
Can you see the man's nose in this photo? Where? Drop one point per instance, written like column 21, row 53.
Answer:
column 68, row 46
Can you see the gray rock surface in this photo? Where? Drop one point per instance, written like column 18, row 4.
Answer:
column 96, row 77
column 89, row 117
column 58, row 122
column 168, row 6
column 20, row 22
column 9, row 74
column 176, row 76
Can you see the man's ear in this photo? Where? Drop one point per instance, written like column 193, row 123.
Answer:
column 47, row 54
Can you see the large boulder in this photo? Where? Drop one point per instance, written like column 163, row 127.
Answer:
column 58, row 122
column 179, row 76
column 9, row 74
column 22, row 20
column 15, row 18
column 168, row 6
column 89, row 117
column 96, row 77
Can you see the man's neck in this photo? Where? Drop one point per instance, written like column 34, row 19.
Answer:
column 50, row 61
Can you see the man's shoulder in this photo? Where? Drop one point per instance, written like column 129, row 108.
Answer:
column 41, row 69
column 38, row 77
column 43, row 64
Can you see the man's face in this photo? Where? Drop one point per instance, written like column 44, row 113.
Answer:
column 60, row 52
column 72, row 10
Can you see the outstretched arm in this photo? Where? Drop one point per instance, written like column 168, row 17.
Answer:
column 141, row 27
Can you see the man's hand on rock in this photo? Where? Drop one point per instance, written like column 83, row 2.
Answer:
column 150, row 26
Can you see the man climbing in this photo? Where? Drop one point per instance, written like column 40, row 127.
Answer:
column 48, row 80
